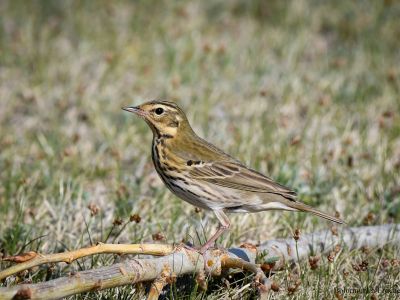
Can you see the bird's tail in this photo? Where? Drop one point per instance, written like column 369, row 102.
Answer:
column 303, row 207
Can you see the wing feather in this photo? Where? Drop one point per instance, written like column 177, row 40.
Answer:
column 236, row 176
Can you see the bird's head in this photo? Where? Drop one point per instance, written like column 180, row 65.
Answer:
column 164, row 118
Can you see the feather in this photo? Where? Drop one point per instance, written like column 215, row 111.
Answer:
column 234, row 175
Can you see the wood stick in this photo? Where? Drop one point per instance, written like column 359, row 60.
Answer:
column 159, row 284
column 33, row 259
column 283, row 251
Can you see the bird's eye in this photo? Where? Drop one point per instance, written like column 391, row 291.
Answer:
column 159, row 111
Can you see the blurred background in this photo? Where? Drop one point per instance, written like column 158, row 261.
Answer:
column 304, row 91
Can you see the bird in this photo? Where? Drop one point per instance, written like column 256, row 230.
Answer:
column 205, row 176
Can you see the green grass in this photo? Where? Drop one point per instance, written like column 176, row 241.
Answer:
column 305, row 91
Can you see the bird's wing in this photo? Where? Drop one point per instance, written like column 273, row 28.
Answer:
column 234, row 175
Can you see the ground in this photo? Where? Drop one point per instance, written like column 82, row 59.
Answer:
column 304, row 91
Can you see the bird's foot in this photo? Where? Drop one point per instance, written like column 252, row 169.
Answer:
column 201, row 249
column 188, row 246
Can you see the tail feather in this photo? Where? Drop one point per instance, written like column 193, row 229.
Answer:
column 303, row 207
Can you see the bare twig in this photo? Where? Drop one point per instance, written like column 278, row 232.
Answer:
column 156, row 288
column 262, row 283
column 33, row 259
column 158, row 284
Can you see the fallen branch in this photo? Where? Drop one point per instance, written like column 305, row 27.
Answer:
column 180, row 261
column 32, row 259
column 326, row 241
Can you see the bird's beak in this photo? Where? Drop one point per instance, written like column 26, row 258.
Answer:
column 136, row 110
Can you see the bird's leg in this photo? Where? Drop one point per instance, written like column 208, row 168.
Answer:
column 223, row 226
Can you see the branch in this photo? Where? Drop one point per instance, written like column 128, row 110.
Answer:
column 158, row 284
column 33, row 259
column 185, row 261
column 284, row 250
column 181, row 262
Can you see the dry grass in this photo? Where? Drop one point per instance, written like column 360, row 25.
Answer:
column 305, row 91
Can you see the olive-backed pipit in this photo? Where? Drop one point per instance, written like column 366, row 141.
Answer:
column 203, row 175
